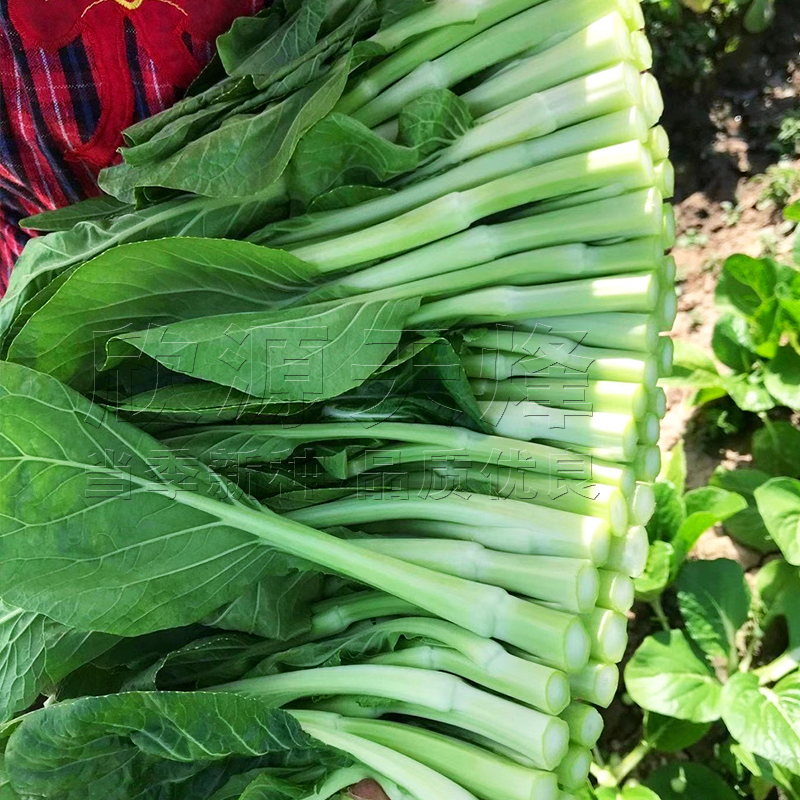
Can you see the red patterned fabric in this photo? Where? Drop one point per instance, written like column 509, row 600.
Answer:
column 73, row 75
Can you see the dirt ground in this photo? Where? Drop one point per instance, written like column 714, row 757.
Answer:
column 722, row 141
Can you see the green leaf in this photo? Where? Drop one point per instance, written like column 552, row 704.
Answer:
column 669, row 735
column 776, row 449
column 201, row 663
column 624, row 793
column 36, row 653
column 732, row 343
column 135, row 744
column 779, row 503
column 433, row 120
column 244, row 156
column 116, row 496
column 277, row 607
column 705, row 507
column 746, row 526
column 778, row 589
column 782, row 377
column 669, row 514
column 749, row 392
column 305, row 354
column 673, row 467
column 150, row 284
column 745, row 283
column 46, row 257
column 766, row 721
column 683, row 781
column 198, row 403
column 338, row 151
column 759, row 16
column 62, row 219
column 658, row 572
column 714, row 600
column 668, row 675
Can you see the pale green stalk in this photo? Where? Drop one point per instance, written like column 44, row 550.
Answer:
column 604, row 435
column 601, row 44
column 592, row 545
column 420, row 781
column 561, row 106
column 596, row 683
column 573, row 770
column 628, row 163
column 628, row 553
column 623, row 126
column 569, row 391
column 585, row 723
column 616, row 330
column 609, row 634
column 555, row 356
column 484, row 49
column 615, row 591
column 637, row 293
column 480, row 771
column 570, row 582
column 543, row 737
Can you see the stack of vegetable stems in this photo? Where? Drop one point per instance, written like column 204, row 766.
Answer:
column 501, row 554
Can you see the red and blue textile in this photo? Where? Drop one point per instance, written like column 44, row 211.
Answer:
column 73, row 75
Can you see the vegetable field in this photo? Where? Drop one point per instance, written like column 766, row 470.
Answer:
column 329, row 433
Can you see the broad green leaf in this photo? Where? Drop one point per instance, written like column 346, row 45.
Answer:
column 669, row 735
column 759, row 16
column 304, row 354
column 198, row 403
column 687, row 781
column 779, row 504
column 778, row 589
column 261, row 785
column 705, row 507
column 62, row 219
column 668, row 675
column 776, row 449
column 765, row 720
column 135, row 744
column 433, row 120
column 658, row 572
column 673, row 467
column 767, row 774
column 669, row 514
column 197, row 665
column 277, row 607
column 245, row 155
column 46, row 257
column 36, row 653
column 745, row 283
column 150, row 284
column 340, row 197
column 782, row 377
column 746, row 526
column 714, row 600
column 116, row 496
column 178, row 133
column 625, row 793
column 749, row 392
column 339, row 151
column 732, row 343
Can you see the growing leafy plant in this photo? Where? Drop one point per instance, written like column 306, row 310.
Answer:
column 326, row 436
column 755, row 338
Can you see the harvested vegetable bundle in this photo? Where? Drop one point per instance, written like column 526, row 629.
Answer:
column 327, row 433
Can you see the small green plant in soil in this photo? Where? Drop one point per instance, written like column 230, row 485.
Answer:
column 731, row 658
column 755, row 343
